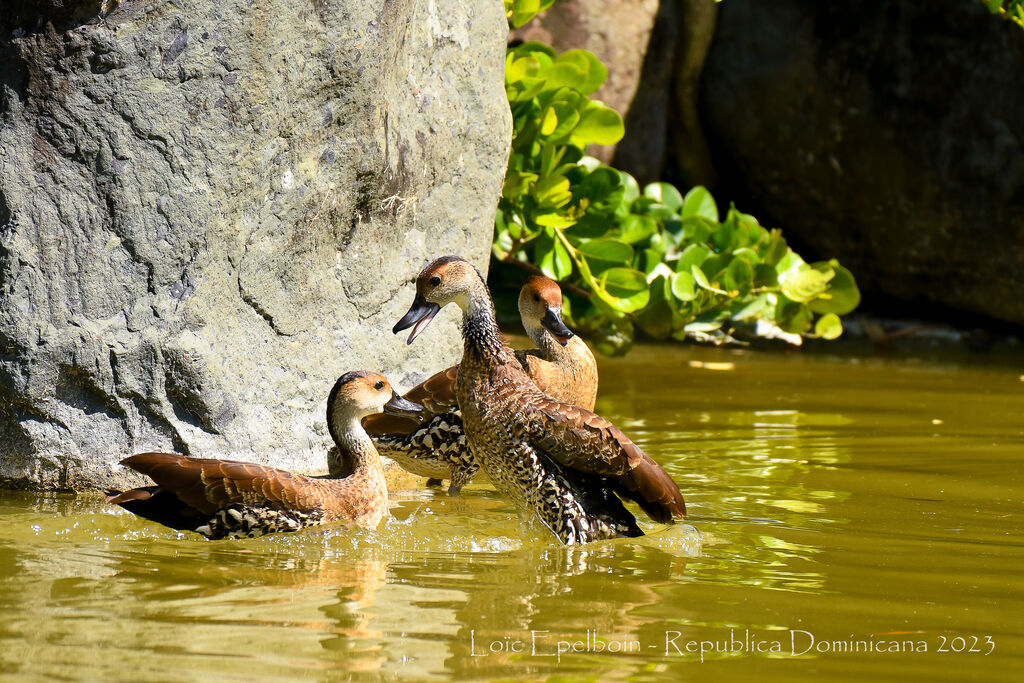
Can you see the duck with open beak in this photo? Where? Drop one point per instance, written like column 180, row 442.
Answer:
column 562, row 465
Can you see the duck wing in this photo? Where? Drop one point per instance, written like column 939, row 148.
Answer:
column 587, row 442
column 436, row 394
column 207, row 485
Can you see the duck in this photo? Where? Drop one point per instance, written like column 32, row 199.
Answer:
column 230, row 499
column 562, row 365
column 560, row 464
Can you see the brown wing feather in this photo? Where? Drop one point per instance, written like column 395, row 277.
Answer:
column 208, row 485
column 436, row 394
column 587, row 442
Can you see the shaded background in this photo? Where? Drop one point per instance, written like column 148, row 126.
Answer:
column 887, row 135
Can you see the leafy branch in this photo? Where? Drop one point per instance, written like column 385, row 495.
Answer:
column 631, row 257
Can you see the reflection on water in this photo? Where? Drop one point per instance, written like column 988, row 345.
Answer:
column 840, row 501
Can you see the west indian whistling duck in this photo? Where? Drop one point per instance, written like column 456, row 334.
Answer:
column 228, row 499
column 562, row 464
column 562, row 366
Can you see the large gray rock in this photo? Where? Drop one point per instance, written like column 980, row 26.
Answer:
column 888, row 135
column 209, row 210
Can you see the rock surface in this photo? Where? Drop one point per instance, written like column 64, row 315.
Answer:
column 890, row 137
column 210, row 210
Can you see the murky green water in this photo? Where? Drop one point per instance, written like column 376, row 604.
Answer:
column 865, row 504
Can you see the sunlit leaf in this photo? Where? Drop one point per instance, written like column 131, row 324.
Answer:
column 553, row 219
column 699, row 202
column 522, row 11
column 606, row 250
column 666, row 194
column 841, row 296
column 683, row 287
column 553, row 191
column 803, row 283
column 594, row 72
column 693, row 255
column 702, row 280
column 627, row 286
column 828, row 326
column 598, row 124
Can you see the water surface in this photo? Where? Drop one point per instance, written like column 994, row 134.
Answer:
column 839, row 508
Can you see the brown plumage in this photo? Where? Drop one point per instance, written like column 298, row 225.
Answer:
column 562, row 366
column 225, row 498
column 561, row 463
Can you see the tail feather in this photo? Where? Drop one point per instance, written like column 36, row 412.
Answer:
column 158, row 505
column 654, row 490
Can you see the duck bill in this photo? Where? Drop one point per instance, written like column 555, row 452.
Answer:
column 402, row 407
column 419, row 316
column 552, row 322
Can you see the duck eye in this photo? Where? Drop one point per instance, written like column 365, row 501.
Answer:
column 536, row 297
column 435, row 281
column 378, row 386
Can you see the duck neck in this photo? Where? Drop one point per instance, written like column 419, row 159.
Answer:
column 356, row 448
column 479, row 325
column 549, row 348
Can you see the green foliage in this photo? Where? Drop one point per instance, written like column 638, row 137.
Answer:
column 631, row 257
column 1011, row 9
column 521, row 11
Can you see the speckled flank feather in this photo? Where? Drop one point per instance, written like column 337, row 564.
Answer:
column 436, row 450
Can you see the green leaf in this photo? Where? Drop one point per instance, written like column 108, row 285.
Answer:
column 765, row 276
column 656, row 318
column 517, row 183
column 776, row 249
column 666, row 194
column 599, row 184
column 553, row 219
column 828, row 326
column 593, row 71
column 683, row 287
column 559, row 266
column 598, row 124
column 793, row 316
column 698, row 228
column 739, row 276
column 627, row 286
column 632, row 188
column 522, row 68
column 523, row 11
column 606, row 250
column 702, row 280
column 804, row 283
column 841, row 296
column 722, row 237
column 637, row 228
column 553, row 191
column 549, row 122
column 760, row 308
column 699, row 202
column 693, row 255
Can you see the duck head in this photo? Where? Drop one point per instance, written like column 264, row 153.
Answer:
column 540, row 306
column 445, row 280
column 360, row 393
